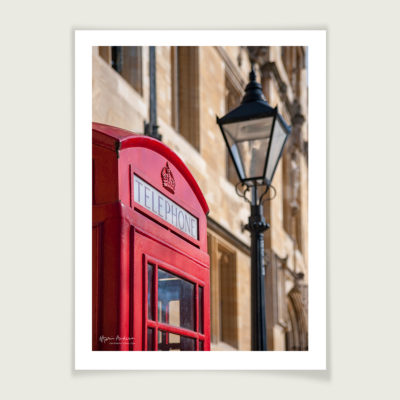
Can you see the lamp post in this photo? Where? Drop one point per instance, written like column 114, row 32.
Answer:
column 255, row 134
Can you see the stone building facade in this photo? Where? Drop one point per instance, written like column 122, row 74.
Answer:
column 194, row 85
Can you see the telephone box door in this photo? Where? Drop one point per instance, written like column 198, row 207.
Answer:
column 174, row 292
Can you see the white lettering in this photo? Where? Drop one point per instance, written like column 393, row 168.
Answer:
column 146, row 196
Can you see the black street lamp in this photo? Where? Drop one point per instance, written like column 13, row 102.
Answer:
column 255, row 135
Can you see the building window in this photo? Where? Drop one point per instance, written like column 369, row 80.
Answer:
column 175, row 88
column 233, row 97
column 185, row 93
column 227, row 301
column 224, row 324
column 127, row 61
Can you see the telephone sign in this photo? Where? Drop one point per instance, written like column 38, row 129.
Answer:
column 168, row 210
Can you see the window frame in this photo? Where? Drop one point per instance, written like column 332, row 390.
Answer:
column 155, row 324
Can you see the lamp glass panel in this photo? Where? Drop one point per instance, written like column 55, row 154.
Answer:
column 249, row 130
column 278, row 140
column 253, row 157
column 237, row 160
column 248, row 141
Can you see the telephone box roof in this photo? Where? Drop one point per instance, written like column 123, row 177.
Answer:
column 119, row 139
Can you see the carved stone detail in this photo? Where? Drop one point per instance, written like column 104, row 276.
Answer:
column 258, row 54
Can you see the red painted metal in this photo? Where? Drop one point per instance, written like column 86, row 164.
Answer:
column 126, row 236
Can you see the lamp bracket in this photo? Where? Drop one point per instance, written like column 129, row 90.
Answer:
column 271, row 197
column 246, row 189
column 242, row 194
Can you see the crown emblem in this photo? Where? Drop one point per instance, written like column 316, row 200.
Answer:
column 167, row 178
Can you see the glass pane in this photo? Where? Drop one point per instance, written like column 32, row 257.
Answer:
column 278, row 140
column 162, row 339
column 176, row 305
column 169, row 342
column 201, row 314
column 131, row 68
column 150, row 294
column 238, row 161
column 150, row 339
column 201, row 345
column 253, row 155
column 249, row 130
column 173, row 342
column 248, row 141
column 188, row 343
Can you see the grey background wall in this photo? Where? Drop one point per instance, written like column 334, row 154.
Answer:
column 37, row 230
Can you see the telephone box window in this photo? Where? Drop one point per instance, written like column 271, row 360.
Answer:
column 201, row 309
column 150, row 339
column 174, row 342
column 188, row 343
column 175, row 316
column 176, row 303
column 150, row 295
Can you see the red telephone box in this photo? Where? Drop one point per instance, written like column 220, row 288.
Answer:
column 151, row 277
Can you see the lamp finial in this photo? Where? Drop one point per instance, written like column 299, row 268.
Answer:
column 252, row 74
column 253, row 91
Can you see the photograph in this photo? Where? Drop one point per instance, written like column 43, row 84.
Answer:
column 199, row 198
column 176, row 200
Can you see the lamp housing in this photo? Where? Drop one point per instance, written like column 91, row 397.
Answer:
column 255, row 134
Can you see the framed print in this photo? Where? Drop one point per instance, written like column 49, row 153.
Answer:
column 200, row 204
